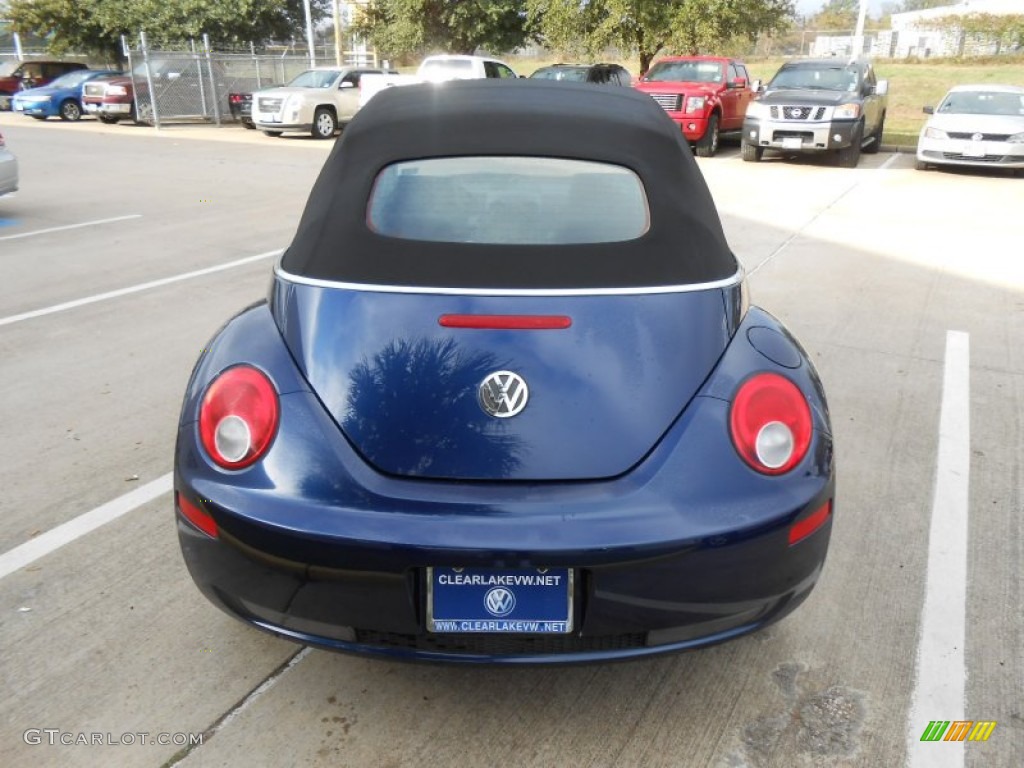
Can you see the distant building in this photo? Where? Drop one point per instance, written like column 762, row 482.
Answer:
column 911, row 34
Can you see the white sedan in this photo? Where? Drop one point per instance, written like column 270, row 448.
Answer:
column 318, row 101
column 975, row 125
column 8, row 169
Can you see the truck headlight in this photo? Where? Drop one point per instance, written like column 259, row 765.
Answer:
column 116, row 90
column 756, row 109
column 695, row 103
column 847, row 112
column 935, row 133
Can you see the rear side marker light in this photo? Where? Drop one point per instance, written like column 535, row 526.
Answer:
column 804, row 528
column 770, row 423
column 238, row 417
column 506, row 322
column 199, row 518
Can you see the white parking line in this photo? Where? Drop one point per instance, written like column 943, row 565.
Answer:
column 42, row 545
column 134, row 289
column 939, row 683
column 72, row 226
column 889, row 162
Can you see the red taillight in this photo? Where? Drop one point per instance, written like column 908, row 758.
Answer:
column 770, row 423
column 804, row 528
column 238, row 417
column 198, row 517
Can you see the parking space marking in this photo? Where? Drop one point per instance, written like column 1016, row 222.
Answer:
column 940, row 674
column 72, row 226
column 884, row 166
column 55, row 538
column 134, row 289
column 247, row 702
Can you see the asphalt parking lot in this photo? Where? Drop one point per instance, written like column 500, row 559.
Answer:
column 125, row 250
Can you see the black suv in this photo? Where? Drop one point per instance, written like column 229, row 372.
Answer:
column 824, row 105
column 602, row 74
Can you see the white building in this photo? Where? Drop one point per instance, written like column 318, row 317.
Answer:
column 912, row 36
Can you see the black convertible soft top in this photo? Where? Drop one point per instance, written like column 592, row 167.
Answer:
column 684, row 243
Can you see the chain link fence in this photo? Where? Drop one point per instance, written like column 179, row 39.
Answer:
column 193, row 85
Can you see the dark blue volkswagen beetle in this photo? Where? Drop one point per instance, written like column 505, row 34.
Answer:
column 506, row 402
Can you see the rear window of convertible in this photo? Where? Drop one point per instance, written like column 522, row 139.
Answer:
column 508, row 201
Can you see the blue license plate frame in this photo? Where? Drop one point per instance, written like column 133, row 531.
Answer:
column 500, row 600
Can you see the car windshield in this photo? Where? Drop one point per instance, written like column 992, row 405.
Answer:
column 824, row 78
column 315, row 78
column 575, row 74
column 508, row 201
column 685, row 71
column 71, row 79
column 982, row 103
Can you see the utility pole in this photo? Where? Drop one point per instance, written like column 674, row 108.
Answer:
column 309, row 33
column 337, row 33
column 858, row 36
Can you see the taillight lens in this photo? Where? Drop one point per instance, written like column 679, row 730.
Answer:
column 238, row 417
column 770, row 423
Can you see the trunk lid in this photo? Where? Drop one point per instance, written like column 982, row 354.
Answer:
column 406, row 391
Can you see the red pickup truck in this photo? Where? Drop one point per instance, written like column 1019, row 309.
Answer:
column 707, row 96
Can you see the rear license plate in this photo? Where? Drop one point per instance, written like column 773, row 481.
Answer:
column 533, row 601
column 792, row 142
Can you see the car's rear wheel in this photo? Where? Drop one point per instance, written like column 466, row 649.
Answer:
column 707, row 144
column 108, row 119
column 272, row 134
column 70, row 110
column 876, row 138
column 848, row 157
column 5, row 101
column 750, row 153
column 324, row 123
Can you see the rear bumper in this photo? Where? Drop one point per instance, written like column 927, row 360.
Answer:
column 688, row 548
column 798, row 135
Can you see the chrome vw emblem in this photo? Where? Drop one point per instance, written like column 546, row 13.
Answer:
column 503, row 394
column 978, row 136
column 499, row 601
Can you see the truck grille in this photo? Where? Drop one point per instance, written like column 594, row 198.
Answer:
column 668, row 101
column 984, row 136
column 798, row 113
column 270, row 105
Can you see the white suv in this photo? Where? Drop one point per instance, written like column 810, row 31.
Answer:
column 436, row 69
column 319, row 101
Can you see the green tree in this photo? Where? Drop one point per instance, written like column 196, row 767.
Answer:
column 837, row 15
column 920, row 5
column 1005, row 30
column 650, row 27
column 96, row 26
column 403, row 27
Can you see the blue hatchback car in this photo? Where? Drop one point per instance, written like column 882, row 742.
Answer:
column 60, row 98
column 507, row 402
